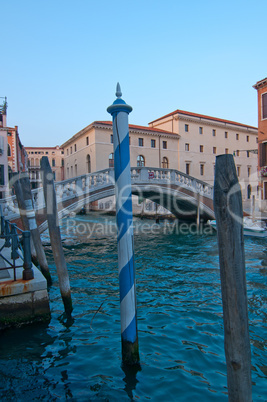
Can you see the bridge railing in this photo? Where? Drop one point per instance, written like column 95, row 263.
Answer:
column 171, row 176
column 84, row 184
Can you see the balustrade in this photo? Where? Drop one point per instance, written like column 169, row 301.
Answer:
column 85, row 184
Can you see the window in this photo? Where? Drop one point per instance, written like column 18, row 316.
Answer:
column 75, row 147
column 238, row 171
column 53, row 163
column 76, row 169
column 153, row 143
column 71, row 153
column 202, row 169
column 8, row 150
column 247, row 154
column 201, row 148
column 187, row 147
column 237, row 153
column 237, row 137
column 247, row 138
column 214, row 150
column 141, row 142
column 165, row 163
column 187, row 168
column 111, row 160
column 249, row 171
column 214, row 133
column 264, row 105
column 46, row 152
column 226, row 150
column 140, row 159
column 88, row 163
column 67, row 152
column 200, row 130
column 2, row 175
column 186, row 128
column 164, row 144
column 87, row 140
column 111, row 138
column 62, row 162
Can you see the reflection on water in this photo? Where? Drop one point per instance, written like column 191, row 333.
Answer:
column 179, row 321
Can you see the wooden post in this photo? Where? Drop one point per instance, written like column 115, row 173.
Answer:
column 54, row 233
column 198, row 211
column 253, row 208
column 229, row 221
column 22, row 209
column 22, row 189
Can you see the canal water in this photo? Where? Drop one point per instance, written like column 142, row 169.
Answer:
column 179, row 320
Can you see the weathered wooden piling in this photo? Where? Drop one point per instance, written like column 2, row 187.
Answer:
column 229, row 221
column 22, row 208
column 54, row 233
column 23, row 193
column 129, row 336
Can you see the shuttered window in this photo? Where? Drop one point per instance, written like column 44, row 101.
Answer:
column 2, row 175
column 263, row 154
column 264, row 106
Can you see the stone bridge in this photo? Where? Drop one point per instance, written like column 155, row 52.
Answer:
column 181, row 194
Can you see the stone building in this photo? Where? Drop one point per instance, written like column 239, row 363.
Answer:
column 56, row 159
column 261, row 87
column 13, row 157
column 91, row 149
column 202, row 137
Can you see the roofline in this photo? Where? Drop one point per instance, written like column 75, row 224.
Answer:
column 42, row 147
column 132, row 127
column 260, row 83
column 202, row 116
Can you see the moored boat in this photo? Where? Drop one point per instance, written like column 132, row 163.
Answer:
column 256, row 228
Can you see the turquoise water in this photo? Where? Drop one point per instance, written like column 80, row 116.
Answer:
column 179, row 320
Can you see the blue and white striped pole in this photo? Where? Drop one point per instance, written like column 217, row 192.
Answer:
column 119, row 111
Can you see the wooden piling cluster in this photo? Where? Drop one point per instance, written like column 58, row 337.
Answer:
column 229, row 221
column 22, row 188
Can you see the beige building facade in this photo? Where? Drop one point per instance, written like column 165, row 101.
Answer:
column 56, row 159
column 91, row 149
column 202, row 138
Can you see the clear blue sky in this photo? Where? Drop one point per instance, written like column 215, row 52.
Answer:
column 61, row 60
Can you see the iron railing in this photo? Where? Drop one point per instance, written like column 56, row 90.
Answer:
column 18, row 241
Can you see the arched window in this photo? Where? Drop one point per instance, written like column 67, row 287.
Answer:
column 8, row 150
column 88, row 163
column 165, row 163
column 140, row 160
column 111, row 160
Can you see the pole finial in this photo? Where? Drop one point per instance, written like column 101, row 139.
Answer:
column 118, row 91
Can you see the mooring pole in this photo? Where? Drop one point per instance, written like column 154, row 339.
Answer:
column 23, row 193
column 54, row 233
column 198, row 211
column 229, row 221
column 129, row 336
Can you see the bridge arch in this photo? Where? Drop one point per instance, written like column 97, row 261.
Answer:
column 179, row 193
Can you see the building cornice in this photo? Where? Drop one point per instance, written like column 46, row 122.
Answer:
column 107, row 125
column 261, row 83
column 182, row 114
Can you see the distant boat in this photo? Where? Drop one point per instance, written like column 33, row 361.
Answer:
column 251, row 227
